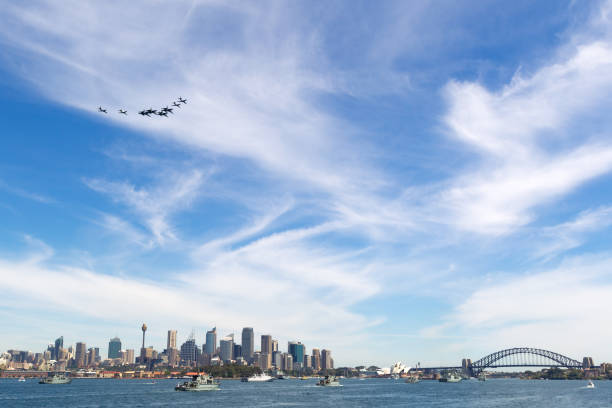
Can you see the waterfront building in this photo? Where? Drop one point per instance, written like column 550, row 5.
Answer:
column 297, row 350
column 326, row 360
column 307, row 361
column 266, row 344
column 315, row 359
column 114, row 346
column 93, row 355
column 287, row 362
column 171, row 343
column 211, row 341
column 274, row 346
column 248, row 343
column 227, row 348
column 80, row 356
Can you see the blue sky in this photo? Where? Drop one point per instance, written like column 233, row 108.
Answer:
column 414, row 181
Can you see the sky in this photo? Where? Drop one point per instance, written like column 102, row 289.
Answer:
column 393, row 181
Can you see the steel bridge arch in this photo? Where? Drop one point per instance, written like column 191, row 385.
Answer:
column 490, row 360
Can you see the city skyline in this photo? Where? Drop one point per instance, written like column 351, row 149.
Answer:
column 395, row 181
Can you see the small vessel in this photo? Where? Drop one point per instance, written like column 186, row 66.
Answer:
column 395, row 376
column 482, row 377
column 257, row 378
column 21, row 379
column 199, row 382
column 304, row 377
column 590, row 384
column 451, row 378
column 329, row 381
column 412, row 379
column 56, row 378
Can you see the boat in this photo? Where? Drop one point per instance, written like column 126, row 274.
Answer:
column 482, row 377
column 590, row 384
column 329, row 381
column 304, row 378
column 21, row 379
column 394, row 376
column 412, row 379
column 257, row 378
column 199, row 382
column 56, row 378
column 450, row 378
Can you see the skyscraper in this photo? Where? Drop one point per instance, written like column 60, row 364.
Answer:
column 190, row 352
column 143, row 351
column 129, row 356
column 227, row 348
column 211, row 341
column 59, row 344
column 80, row 356
column 114, row 346
column 326, row 360
column 274, row 345
column 248, row 343
column 171, row 344
column 237, row 350
column 266, row 344
column 315, row 359
column 297, row 350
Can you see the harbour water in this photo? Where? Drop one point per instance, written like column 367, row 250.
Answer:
column 509, row 393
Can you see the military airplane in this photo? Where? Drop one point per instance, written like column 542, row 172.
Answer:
column 123, row 112
column 101, row 110
column 162, row 113
column 167, row 110
column 151, row 111
column 144, row 113
column 178, row 105
column 181, row 100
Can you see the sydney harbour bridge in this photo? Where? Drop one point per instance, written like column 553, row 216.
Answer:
column 517, row 357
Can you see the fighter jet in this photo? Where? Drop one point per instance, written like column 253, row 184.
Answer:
column 101, row 110
column 178, row 105
column 123, row 112
column 144, row 113
column 151, row 111
column 167, row 110
column 181, row 100
column 162, row 113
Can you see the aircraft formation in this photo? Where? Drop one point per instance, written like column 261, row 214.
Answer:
column 148, row 112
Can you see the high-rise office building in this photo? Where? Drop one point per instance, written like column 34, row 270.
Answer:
column 274, row 345
column 211, row 341
column 114, row 346
column 189, row 352
column 248, row 343
column 171, row 343
column 93, row 355
column 297, row 350
column 80, row 356
column 315, row 359
column 307, row 361
column 277, row 359
column 129, row 356
column 237, row 351
column 326, row 360
column 265, row 361
column 227, row 348
column 266, row 344
column 173, row 357
column 59, row 344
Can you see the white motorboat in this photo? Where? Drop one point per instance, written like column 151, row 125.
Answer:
column 590, row 384
column 21, row 379
column 258, row 378
column 329, row 381
column 412, row 379
column 199, row 382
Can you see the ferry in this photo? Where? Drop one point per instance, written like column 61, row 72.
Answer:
column 412, row 379
column 199, row 382
column 21, row 379
column 56, row 378
column 329, row 381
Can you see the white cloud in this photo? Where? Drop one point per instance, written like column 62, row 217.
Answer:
column 529, row 153
column 177, row 191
